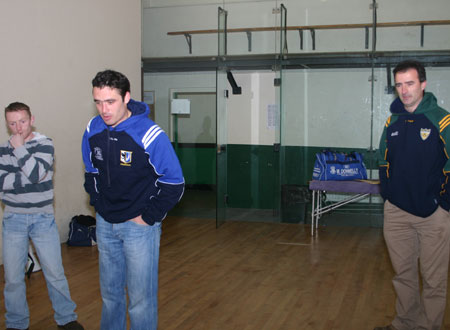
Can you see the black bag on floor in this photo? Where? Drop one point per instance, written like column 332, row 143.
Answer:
column 82, row 231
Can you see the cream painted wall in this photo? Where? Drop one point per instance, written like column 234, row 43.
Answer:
column 160, row 17
column 248, row 112
column 51, row 50
column 177, row 3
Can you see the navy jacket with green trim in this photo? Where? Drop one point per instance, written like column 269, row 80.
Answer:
column 131, row 169
column 413, row 157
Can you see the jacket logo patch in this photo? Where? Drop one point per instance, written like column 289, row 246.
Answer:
column 98, row 153
column 425, row 133
column 394, row 133
column 125, row 157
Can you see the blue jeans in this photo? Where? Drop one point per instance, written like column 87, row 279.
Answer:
column 128, row 258
column 41, row 228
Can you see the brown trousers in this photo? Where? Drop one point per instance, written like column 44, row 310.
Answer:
column 412, row 242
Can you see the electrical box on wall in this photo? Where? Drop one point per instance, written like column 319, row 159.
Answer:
column 180, row 107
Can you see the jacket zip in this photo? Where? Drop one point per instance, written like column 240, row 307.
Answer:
column 107, row 160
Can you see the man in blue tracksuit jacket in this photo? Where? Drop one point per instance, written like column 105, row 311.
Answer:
column 414, row 168
column 134, row 178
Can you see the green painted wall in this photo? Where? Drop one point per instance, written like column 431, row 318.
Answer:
column 252, row 176
column 198, row 164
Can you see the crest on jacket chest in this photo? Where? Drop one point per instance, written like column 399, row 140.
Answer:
column 425, row 133
column 125, row 157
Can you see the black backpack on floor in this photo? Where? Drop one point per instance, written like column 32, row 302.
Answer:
column 82, row 231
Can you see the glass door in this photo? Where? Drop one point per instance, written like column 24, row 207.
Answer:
column 293, row 197
column 194, row 136
column 280, row 194
column 222, row 121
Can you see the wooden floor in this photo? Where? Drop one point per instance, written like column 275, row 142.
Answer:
column 246, row 276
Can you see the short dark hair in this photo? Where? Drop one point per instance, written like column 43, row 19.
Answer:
column 112, row 79
column 411, row 64
column 17, row 106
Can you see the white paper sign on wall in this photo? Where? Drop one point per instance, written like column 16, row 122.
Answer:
column 180, row 107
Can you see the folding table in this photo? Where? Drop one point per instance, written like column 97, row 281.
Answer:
column 357, row 190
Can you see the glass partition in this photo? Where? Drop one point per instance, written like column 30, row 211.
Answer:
column 282, row 113
column 248, row 138
column 222, row 121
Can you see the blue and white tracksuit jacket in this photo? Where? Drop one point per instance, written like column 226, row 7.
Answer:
column 131, row 169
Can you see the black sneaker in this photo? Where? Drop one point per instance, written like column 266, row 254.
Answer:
column 387, row 327
column 74, row 325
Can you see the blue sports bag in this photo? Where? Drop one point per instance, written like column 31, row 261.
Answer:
column 338, row 166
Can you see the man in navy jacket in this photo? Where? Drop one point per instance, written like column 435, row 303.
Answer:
column 414, row 168
column 134, row 178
